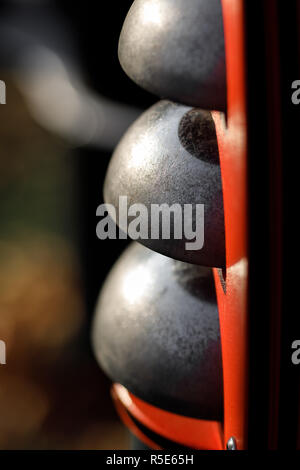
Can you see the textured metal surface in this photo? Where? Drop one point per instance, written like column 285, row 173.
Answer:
column 175, row 49
column 170, row 155
column 156, row 331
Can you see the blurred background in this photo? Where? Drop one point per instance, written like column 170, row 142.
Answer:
column 67, row 104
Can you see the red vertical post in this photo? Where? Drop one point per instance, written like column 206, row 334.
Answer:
column 232, row 289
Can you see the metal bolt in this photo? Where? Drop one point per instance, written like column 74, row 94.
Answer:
column 231, row 444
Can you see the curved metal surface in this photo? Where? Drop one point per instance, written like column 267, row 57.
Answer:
column 175, row 49
column 156, row 331
column 188, row 432
column 170, row 156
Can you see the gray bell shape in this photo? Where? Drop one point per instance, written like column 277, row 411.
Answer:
column 168, row 162
column 175, row 49
column 156, row 331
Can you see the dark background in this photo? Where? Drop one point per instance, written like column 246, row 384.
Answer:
column 52, row 392
column 97, row 31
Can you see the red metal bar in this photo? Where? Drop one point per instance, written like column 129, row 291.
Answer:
column 233, row 158
column 189, row 432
